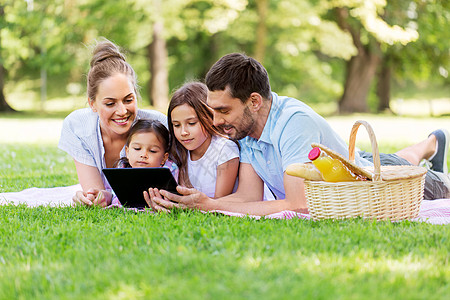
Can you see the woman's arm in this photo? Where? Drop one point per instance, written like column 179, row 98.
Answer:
column 94, row 192
column 226, row 177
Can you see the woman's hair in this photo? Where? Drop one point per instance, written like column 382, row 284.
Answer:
column 146, row 126
column 193, row 94
column 107, row 60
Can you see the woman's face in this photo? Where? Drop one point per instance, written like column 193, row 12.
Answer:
column 115, row 104
column 146, row 151
column 188, row 130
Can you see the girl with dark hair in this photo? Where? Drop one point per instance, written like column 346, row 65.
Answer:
column 147, row 146
column 207, row 160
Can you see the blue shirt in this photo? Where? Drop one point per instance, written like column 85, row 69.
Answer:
column 82, row 139
column 290, row 129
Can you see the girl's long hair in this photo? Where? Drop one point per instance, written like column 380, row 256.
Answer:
column 193, row 94
column 145, row 125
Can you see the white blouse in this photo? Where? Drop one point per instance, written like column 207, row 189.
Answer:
column 81, row 137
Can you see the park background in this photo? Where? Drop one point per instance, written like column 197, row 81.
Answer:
column 340, row 56
column 385, row 62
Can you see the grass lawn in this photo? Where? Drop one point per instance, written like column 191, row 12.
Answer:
column 79, row 253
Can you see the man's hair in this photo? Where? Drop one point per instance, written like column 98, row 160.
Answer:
column 243, row 75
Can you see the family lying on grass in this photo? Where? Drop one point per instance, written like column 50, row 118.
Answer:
column 204, row 121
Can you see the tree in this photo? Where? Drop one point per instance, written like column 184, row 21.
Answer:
column 298, row 55
column 362, row 19
column 261, row 30
column 4, row 106
column 427, row 58
column 38, row 35
column 186, row 26
column 360, row 69
column 158, row 84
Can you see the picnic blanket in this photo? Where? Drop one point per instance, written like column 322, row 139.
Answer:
column 433, row 212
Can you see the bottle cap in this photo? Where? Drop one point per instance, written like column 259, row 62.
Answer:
column 314, row 153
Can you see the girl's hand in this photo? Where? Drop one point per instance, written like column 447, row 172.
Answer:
column 150, row 198
column 190, row 198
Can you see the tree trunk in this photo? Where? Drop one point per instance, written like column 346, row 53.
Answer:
column 384, row 86
column 261, row 30
column 4, row 106
column 360, row 69
column 159, row 82
column 360, row 73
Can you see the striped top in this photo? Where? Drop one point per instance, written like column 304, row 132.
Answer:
column 81, row 137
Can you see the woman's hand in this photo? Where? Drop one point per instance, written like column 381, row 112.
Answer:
column 93, row 197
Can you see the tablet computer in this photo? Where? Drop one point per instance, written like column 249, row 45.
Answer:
column 130, row 183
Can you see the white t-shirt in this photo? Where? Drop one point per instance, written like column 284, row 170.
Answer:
column 203, row 172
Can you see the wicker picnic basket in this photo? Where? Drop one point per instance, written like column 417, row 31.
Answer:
column 392, row 192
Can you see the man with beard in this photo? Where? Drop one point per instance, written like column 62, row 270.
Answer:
column 274, row 132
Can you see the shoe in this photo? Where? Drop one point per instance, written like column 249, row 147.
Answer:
column 439, row 159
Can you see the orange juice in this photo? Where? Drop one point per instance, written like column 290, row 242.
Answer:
column 333, row 170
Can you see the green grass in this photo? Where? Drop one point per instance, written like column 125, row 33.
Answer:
column 80, row 253
column 29, row 165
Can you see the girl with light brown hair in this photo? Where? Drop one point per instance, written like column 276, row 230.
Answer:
column 207, row 160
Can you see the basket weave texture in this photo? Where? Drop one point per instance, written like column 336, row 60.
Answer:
column 393, row 192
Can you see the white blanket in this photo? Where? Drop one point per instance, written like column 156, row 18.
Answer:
column 57, row 196
column 434, row 212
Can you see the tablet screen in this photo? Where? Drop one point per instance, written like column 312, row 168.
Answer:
column 130, row 183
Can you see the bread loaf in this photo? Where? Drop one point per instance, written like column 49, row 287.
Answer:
column 307, row 171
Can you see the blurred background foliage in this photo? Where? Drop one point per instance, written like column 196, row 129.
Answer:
column 351, row 54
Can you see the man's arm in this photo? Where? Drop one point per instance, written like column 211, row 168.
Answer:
column 246, row 200
column 226, row 177
column 250, row 186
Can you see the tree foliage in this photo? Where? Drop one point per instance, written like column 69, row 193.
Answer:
column 308, row 47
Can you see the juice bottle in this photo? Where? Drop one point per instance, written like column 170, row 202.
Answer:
column 333, row 170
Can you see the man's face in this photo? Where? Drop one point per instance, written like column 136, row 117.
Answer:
column 231, row 116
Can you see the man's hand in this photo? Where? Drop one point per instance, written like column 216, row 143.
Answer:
column 164, row 200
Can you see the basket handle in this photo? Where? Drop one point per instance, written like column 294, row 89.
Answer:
column 373, row 141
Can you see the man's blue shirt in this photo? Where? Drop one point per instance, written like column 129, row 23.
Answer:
column 290, row 129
